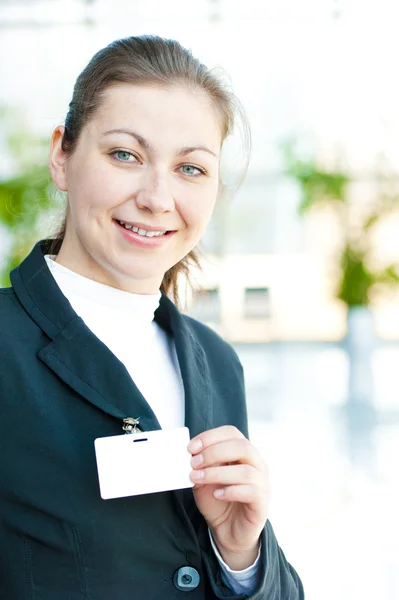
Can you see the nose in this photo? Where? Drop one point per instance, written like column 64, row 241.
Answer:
column 155, row 194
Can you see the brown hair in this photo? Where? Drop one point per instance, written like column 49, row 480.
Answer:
column 147, row 60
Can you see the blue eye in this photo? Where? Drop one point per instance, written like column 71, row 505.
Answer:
column 191, row 170
column 123, row 155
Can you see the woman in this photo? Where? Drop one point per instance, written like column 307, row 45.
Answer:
column 90, row 340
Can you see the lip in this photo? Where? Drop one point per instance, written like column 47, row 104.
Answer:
column 142, row 241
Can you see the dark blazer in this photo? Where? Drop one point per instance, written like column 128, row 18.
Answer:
column 60, row 388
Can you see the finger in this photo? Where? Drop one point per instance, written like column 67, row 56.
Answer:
column 229, row 451
column 228, row 475
column 214, row 436
column 246, row 494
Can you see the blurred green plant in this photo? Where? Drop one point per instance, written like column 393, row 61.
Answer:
column 26, row 190
column 319, row 186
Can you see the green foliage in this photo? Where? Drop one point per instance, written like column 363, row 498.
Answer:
column 356, row 280
column 22, row 200
column 25, row 195
column 319, row 186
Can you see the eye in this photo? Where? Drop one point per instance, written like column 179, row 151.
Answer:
column 123, row 156
column 192, row 171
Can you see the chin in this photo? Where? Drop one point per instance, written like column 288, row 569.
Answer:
column 138, row 278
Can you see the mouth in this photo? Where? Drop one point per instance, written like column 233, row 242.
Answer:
column 141, row 231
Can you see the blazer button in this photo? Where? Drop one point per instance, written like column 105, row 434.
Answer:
column 186, row 579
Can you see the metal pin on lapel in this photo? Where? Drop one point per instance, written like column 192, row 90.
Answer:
column 131, row 425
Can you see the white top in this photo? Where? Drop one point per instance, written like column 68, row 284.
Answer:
column 124, row 322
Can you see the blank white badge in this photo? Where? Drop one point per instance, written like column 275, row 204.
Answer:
column 143, row 463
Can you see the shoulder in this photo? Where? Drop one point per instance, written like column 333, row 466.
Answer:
column 7, row 292
column 8, row 302
column 13, row 317
column 211, row 342
column 12, row 328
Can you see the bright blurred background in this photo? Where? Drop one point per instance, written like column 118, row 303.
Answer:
column 300, row 268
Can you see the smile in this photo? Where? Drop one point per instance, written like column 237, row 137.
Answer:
column 142, row 232
column 138, row 235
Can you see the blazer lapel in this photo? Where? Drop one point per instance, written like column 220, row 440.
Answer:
column 193, row 366
column 74, row 353
column 80, row 359
column 83, row 362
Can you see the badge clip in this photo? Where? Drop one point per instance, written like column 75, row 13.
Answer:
column 131, row 425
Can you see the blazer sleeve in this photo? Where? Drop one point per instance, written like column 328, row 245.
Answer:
column 277, row 580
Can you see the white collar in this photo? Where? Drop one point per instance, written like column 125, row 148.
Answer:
column 139, row 306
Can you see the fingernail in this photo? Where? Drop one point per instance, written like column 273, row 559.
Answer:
column 197, row 474
column 218, row 493
column 195, row 446
column 197, row 460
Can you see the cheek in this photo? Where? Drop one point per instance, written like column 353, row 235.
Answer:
column 92, row 191
column 197, row 217
column 192, row 213
column 198, row 211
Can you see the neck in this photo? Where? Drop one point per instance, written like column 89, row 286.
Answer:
column 76, row 258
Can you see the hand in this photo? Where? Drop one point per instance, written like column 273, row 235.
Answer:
column 231, row 492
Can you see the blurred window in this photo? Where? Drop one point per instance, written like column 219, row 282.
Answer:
column 206, row 306
column 257, row 303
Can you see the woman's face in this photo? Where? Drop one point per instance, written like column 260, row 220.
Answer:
column 142, row 184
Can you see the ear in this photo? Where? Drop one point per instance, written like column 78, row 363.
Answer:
column 57, row 159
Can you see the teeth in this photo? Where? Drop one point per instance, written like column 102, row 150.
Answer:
column 142, row 232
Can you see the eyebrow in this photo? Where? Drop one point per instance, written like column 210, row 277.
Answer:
column 144, row 144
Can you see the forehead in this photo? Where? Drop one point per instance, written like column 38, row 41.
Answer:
column 175, row 114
